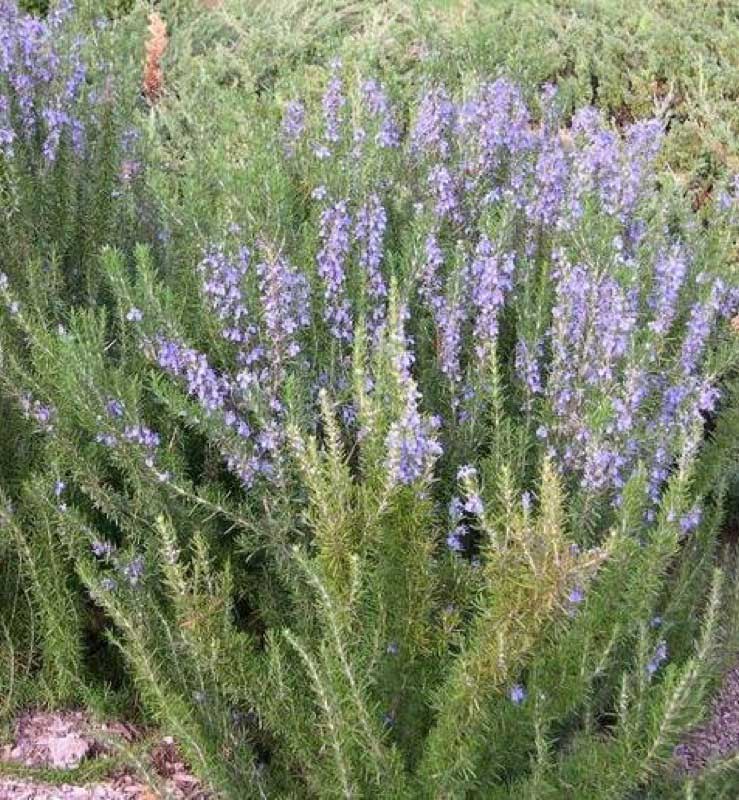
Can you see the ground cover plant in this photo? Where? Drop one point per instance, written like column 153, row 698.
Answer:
column 381, row 447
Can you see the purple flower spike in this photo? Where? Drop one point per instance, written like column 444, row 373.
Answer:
column 285, row 299
column 434, row 123
column 369, row 231
column 412, row 445
column 444, row 188
column 331, row 260
column 203, row 383
column 333, row 103
column 670, row 270
column 492, row 279
column 378, row 106
column 293, row 126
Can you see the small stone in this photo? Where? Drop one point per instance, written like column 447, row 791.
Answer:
column 67, row 751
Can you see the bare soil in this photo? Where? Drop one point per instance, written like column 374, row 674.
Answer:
column 50, row 744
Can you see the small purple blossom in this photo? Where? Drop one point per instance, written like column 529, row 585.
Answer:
column 114, row 408
column 43, row 414
column 496, row 127
column 203, row 383
column 456, row 509
column 285, row 298
column 527, row 366
column 576, row 596
column 658, row 658
column 102, row 549
column 455, row 539
column 45, row 75
column 466, row 473
column 690, row 521
column 141, row 435
column 444, row 190
column 517, row 694
column 550, row 187
column 133, row 570
column 474, row 505
column 449, row 311
column 670, row 270
column 223, row 289
column 702, row 317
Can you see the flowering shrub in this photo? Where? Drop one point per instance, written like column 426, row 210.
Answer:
column 67, row 162
column 406, row 492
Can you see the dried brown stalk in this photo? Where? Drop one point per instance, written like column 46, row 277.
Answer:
column 156, row 44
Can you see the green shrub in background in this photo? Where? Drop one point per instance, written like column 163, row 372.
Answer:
column 633, row 59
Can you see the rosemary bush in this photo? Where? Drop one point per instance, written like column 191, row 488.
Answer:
column 70, row 162
column 411, row 484
column 69, row 182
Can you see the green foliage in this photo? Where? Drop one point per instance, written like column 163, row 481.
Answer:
column 312, row 636
column 288, row 698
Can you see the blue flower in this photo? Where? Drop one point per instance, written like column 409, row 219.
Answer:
column 517, row 694
column 474, row 505
column 576, row 596
column 455, row 539
column 658, row 658
column 690, row 521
